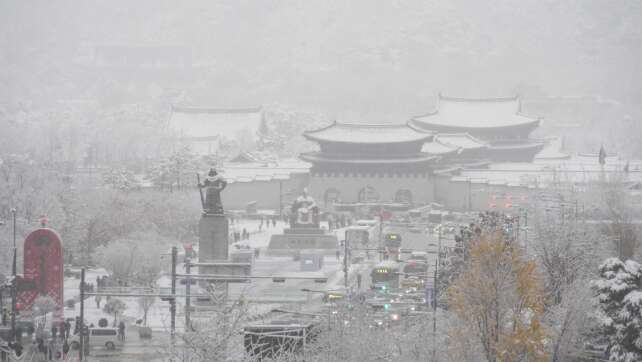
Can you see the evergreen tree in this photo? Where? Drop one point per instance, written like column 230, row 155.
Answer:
column 619, row 291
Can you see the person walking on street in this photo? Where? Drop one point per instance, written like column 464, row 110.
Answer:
column 98, row 299
column 67, row 326
column 359, row 281
column 121, row 331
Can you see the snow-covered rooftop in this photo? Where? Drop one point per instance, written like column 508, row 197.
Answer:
column 368, row 133
column 438, row 148
column 577, row 169
column 553, row 151
column 248, row 172
column 476, row 113
column 231, row 123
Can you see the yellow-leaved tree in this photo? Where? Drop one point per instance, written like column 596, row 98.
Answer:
column 498, row 299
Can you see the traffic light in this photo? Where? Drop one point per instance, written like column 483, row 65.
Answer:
column 386, row 306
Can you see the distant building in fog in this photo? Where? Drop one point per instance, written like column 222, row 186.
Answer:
column 496, row 121
column 205, row 129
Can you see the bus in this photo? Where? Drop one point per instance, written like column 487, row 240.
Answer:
column 392, row 240
column 385, row 275
column 363, row 233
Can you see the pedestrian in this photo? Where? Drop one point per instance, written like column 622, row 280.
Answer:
column 98, row 299
column 19, row 333
column 359, row 281
column 77, row 326
column 65, row 348
column 274, row 222
column 338, row 253
column 41, row 347
column 121, row 330
column 54, row 330
column 67, row 329
column 50, row 349
column 245, row 234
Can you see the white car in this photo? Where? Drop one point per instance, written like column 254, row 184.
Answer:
column 107, row 337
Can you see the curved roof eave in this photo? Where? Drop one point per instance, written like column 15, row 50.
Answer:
column 313, row 157
column 439, row 127
column 422, row 135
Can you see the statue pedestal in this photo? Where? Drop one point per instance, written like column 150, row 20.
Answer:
column 212, row 246
column 292, row 241
column 213, row 234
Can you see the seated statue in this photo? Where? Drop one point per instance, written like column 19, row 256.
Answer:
column 305, row 212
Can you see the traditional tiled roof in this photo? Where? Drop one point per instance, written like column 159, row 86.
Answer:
column 515, row 146
column 320, row 158
column 471, row 113
column 195, row 123
column 461, row 140
column 368, row 133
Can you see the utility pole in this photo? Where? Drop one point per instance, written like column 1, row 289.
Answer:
column 525, row 232
column 188, row 267
column 434, row 313
column 14, row 282
column 82, row 314
column 439, row 248
column 280, row 199
column 172, row 301
column 345, row 260
column 380, row 236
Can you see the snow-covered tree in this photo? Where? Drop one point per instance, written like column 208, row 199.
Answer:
column 121, row 179
column 44, row 305
column 619, row 293
column 145, row 303
column 114, row 307
column 171, row 171
column 132, row 259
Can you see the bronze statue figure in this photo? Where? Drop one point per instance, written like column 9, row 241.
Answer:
column 213, row 185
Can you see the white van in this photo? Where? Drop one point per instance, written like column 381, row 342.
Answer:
column 107, row 337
